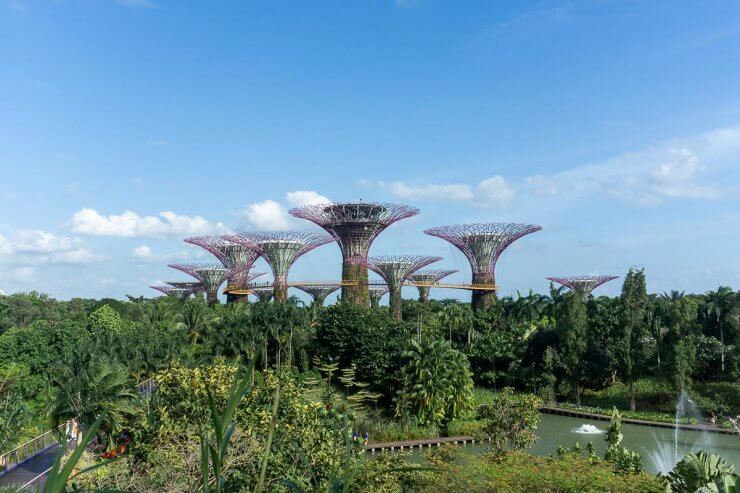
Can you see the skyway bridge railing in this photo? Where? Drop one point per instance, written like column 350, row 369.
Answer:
column 66, row 431
column 466, row 286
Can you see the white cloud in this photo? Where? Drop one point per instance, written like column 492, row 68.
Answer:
column 305, row 197
column 493, row 192
column 76, row 257
column 267, row 215
column 142, row 251
column 129, row 224
column 454, row 191
column 272, row 215
column 38, row 241
column 671, row 170
column 6, row 248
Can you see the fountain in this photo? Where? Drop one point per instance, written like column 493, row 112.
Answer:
column 586, row 429
column 666, row 454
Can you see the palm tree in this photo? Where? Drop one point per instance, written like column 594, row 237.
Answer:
column 195, row 318
column 719, row 304
column 673, row 295
column 89, row 388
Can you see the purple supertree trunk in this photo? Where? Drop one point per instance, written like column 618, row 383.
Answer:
column 483, row 244
column 354, row 225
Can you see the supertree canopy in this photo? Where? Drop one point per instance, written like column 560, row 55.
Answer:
column 424, row 279
column 211, row 275
column 318, row 292
column 483, row 244
column 237, row 257
column 355, row 225
column 280, row 249
column 395, row 269
column 582, row 284
column 173, row 291
column 376, row 292
column 194, row 287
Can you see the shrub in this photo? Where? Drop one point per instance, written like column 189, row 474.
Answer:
column 510, row 420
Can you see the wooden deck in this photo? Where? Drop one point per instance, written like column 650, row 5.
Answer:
column 601, row 417
column 411, row 444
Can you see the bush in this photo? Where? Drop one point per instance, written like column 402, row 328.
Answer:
column 456, row 471
column 510, row 420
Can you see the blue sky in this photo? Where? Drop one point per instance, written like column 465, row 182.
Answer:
column 128, row 125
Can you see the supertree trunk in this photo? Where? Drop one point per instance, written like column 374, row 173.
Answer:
column 423, row 294
column 396, row 303
column 357, row 293
column 281, row 291
column 212, row 297
column 481, row 299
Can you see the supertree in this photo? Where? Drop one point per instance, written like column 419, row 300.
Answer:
column 280, row 249
column 376, row 292
column 173, row 291
column 211, row 275
column 582, row 284
column 355, row 225
column 483, row 244
column 395, row 269
column 237, row 257
column 194, row 287
column 318, row 292
column 264, row 294
column 424, row 279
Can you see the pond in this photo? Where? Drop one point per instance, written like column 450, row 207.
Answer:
column 658, row 446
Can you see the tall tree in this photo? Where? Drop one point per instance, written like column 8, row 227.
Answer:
column 719, row 306
column 571, row 329
column 631, row 350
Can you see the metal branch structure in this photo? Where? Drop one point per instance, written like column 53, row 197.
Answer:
column 173, row 291
column 355, row 225
column 318, row 292
column 281, row 249
column 582, row 284
column 211, row 275
column 263, row 294
column 395, row 269
column 426, row 279
column 483, row 244
column 237, row 257
column 194, row 287
column 376, row 293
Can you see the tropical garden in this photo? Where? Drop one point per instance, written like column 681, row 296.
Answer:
column 285, row 396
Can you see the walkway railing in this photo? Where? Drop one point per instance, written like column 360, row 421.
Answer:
column 27, row 451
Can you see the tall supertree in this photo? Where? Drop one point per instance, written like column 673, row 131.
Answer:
column 376, row 292
column 281, row 249
column 237, row 257
column 582, row 284
column 483, row 244
column 173, row 291
column 318, row 292
column 395, row 269
column 355, row 225
column 424, row 279
column 211, row 275
column 263, row 293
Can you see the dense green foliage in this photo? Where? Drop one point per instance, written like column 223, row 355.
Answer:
column 331, row 371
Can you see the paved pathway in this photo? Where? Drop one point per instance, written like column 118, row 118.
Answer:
column 30, row 470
